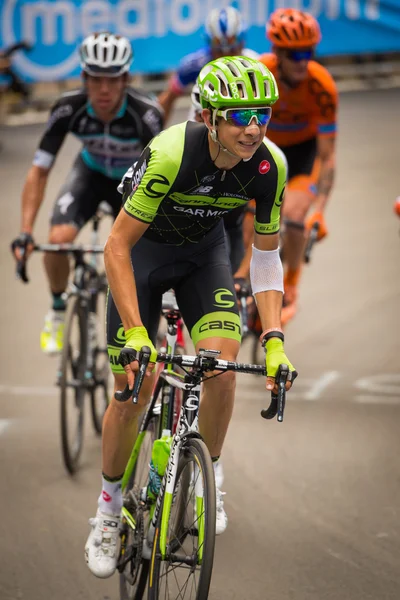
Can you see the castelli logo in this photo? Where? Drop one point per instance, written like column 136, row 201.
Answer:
column 106, row 496
column 264, row 167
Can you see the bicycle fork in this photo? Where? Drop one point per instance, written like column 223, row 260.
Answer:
column 187, row 425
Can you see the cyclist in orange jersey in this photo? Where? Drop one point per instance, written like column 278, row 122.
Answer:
column 303, row 125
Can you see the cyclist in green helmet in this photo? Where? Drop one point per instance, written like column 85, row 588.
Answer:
column 170, row 235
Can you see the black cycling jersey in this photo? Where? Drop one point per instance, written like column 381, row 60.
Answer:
column 177, row 189
column 108, row 148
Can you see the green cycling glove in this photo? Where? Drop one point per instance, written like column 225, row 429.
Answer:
column 136, row 338
column 275, row 356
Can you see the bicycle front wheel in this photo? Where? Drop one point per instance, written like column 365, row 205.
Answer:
column 72, row 384
column 134, row 572
column 183, row 548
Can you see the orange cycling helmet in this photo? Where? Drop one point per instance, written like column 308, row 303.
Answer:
column 292, row 28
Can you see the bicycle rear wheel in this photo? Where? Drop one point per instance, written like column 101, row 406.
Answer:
column 72, row 384
column 134, row 573
column 189, row 528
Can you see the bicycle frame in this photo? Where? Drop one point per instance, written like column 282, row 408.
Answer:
column 190, row 384
column 187, row 425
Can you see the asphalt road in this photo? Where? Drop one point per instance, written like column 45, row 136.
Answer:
column 313, row 503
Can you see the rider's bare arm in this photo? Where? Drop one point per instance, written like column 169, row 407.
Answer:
column 166, row 100
column 326, row 154
column 124, row 234
column 32, row 196
column 269, row 303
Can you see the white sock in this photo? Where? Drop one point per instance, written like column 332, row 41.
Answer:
column 218, row 473
column 110, row 499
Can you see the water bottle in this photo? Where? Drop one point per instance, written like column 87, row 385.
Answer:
column 158, row 463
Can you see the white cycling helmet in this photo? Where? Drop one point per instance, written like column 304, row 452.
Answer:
column 195, row 97
column 106, row 54
column 225, row 27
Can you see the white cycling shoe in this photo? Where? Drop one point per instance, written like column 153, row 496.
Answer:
column 222, row 519
column 101, row 550
column 52, row 336
column 221, row 522
column 218, row 473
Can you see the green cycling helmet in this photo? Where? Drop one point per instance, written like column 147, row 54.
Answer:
column 236, row 81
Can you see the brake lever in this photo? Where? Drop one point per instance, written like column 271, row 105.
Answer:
column 21, row 271
column 278, row 401
column 143, row 359
column 21, row 267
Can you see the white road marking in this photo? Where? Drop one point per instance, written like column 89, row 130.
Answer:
column 314, row 388
column 321, row 384
column 4, row 424
column 380, row 384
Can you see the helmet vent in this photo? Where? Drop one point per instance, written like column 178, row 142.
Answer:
column 223, row 87
column 285, row 31
column 267, row 89
column 233, row 69
column 254, row 84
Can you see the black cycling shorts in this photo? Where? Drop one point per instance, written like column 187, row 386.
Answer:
column 301, row 157
column 201, row 276
column 82, row 193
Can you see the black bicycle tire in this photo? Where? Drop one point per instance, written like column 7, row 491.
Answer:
column 196, row 447
column 144, row 569
column 73, row 307
column 96, row 421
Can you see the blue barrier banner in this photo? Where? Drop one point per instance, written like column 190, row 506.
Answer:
column 163, row 31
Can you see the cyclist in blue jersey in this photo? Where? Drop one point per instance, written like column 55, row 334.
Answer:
column 114, row 122
column 225, row 32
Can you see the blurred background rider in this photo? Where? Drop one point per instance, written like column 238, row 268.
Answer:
column 114, row 122
column 225, row 36
column 303, row 125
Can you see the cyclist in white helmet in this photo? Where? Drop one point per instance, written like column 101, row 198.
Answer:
column 225, row 36
column 114, row 122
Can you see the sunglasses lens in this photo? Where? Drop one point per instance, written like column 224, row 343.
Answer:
column 244, row 117
column 298, row 55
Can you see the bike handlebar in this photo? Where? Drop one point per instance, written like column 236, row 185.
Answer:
column 207, row 362
column 74, row 249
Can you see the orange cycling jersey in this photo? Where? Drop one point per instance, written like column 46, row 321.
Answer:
column 303, row 112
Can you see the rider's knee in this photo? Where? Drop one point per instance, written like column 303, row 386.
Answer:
column 296, row 205
column 62, row 234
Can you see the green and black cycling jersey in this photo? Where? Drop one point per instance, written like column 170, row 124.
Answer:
column 177, row 189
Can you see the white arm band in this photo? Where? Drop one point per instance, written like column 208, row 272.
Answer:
column 266, row 271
